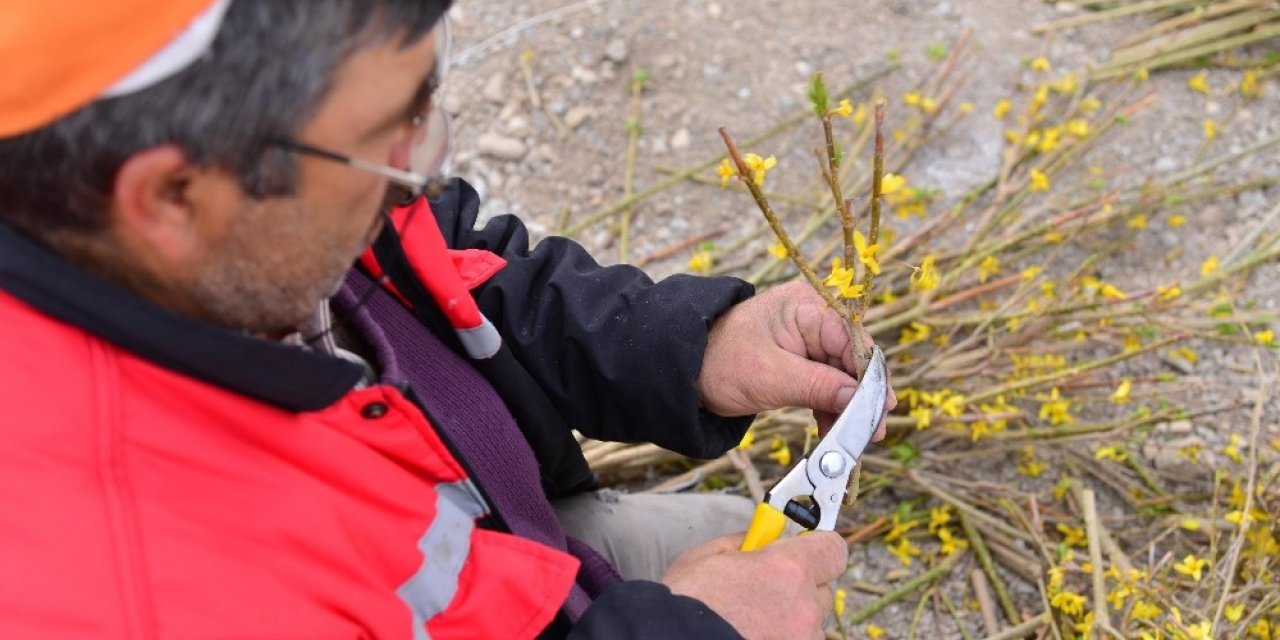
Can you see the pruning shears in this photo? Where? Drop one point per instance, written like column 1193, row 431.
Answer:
column 824, row 474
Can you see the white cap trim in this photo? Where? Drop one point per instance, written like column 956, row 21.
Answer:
column 184, row 49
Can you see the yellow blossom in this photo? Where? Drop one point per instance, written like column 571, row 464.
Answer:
column 1210, row 129
column 989, row 266
column 1111, row 292
column 1048, row 140
column 748, row 439
column 1188, row 354
column 1190, row 524
column 1144, row 610
column 1072, row 536
column 1199, row 631
column 1069, row 603
column 1121, row 394
column 915, row 332
column 1085, row 626
column 874, row 632
column 1137, row 222
column 1168, row 293
column 891, row 183
column 953, row 405
column 928, row 104
column 903, row 551
column 939, row 517
column 1266, row 337
column 1209, row 266
column 1032, row 468
column 1177, row 220
column 1232, row 450
column 1110, row 453
column 838, row 603
column 926, row 278
column 1199, row 83
column 700, row 262
column 1040, row 64
column 923, row 416
column 1078, row 127
column 1249, row 84
column 1056, row 409
column 911, row 98
column 1233, row 612
column 727, row 171
column 844, row 110
column 758, row 166
column 1261, row 630
column 840, row 276
column 1191, row 566
column 966, row 107
column 1002, row 108
column 777, row 250
column 899, row 528
column 950, row 544
column 1039, row 181
column 1141, row 75
column 1066, row 84
column 866, row 253
column 1090, row 104
column 781, row 453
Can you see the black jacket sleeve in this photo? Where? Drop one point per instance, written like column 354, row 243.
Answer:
column 616, row 353
column 642, row 610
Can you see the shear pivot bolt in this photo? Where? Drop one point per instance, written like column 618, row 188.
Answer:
column 831, row 464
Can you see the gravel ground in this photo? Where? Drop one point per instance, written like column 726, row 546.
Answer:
column 556, row 146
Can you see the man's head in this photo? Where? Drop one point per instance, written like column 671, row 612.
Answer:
column 177, row 192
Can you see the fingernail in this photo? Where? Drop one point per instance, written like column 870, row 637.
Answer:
column 843, row 396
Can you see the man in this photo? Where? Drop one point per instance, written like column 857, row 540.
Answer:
column 215, row 427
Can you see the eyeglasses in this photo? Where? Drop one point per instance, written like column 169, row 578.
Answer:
column 429, row 158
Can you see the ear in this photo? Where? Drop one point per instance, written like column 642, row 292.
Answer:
column 152, row 206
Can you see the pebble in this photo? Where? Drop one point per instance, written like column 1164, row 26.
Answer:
column 616, row 51
column 583, row 75
column 1167, row 456
column 681, row 139
column 1178, row 427
column 714, row 10
column 576, row 116
column 495, row 88
column 518, row 126
column 500, row 147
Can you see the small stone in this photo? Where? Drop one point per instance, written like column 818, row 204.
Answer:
column 744, row 93
column 518, row 126
column 714, row 10
column 665, row 61
column 577, row 33
column 500, row 147
column 1168, row 456
column 1175, row 427
column 681, row 139
column 1166, row 164
column 616, row 51
column 495, row 88
column 583, row 75
column 1066, row 8
column 804, row 69
column 576, row 116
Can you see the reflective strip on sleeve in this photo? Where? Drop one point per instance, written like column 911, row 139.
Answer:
column 481, row 342
column 445, row 547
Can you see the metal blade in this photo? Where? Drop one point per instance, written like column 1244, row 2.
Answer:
column 857, row 423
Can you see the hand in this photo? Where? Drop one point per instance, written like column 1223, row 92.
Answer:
column 781, row 348
column 780, row 591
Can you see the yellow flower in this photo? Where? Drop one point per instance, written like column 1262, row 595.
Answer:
column 1078, row 127
column 700, row 262
column 851, row 291
column 866, row 253
column 1190, row 524
column 1199, row 631
column 891, row 183
column 781, row 453
column 1233, row 612
column 860, row 115
column 1188, row 354
column 839, row 276
column 1066, row 84
column 1232, row 450
column 1210, row 129
column 923, row 416
column 1072, row 536
column 966, row 107
column 777, row 250
column 1144, row 610
column 1137, row 222
column 1003, row 105
column 989, row 266
column 1141, row 75
column 844, row 110
column 1266, row 338
column 953, row 405
column 1209, row 266
column 1040, row 64
column 1191, row 566
column 1056, row 409
column 1069, row 603
column 1032, row 468
column 1085, row 626
column 939, row 517
column 1109, row 453
column 874, row 632
column 1199, row 82
column 1039, row 181
column 1090, row 104
column 903, row 551
column 1121, row 394
column 911, row 98
column 899, row 528
column 1111, row 292
column 915, row 332
column 839, row 602
column 1261, row 630
column 758, row 166
column 928, row 104
column 950, row 544
column 1168, row 293
column 926, row 278
column 726, row 171
column 1249, row 84
column 1048, row 140
column 1177, row 220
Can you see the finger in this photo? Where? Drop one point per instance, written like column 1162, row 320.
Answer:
column 825, row 597
column 823, row 334
column 822, row 554
column 801, row 382
column 715, row 546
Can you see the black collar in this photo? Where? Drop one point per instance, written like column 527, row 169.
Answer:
column 288, row 377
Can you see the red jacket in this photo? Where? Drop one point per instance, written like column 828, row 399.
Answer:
column 139, row 502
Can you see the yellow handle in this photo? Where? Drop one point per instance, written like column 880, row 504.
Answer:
column 766, row 525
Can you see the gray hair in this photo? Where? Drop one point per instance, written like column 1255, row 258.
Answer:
column 268, row 70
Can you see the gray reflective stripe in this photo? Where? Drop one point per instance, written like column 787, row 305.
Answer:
column 481, row 342
column 445, row 547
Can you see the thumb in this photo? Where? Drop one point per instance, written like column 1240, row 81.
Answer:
column 814, row 385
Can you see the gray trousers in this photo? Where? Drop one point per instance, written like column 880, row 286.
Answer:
column 642, row 533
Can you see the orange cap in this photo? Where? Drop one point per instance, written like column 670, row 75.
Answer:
column 60, row 55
